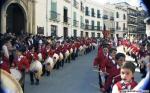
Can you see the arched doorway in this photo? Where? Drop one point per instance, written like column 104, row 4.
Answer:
column 15, row 19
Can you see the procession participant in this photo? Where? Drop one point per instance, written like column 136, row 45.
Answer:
column 100, row 59
column 49, row 53
column 35, row 66
column 127, row 78
column 22, row 64
column 144, row 61
column 4, row 62
column 115, row 72
column 108, row 65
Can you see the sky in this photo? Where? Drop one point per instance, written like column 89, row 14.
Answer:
column 131, row 2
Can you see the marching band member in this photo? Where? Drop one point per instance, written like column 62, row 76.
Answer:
column 100, row 59
column 22, row 64
column 115, row 71
column 127, row 78
column 35, row 66
column 4, row 62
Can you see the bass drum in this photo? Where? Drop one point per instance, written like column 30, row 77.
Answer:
column 9, row 83
column 16, row 73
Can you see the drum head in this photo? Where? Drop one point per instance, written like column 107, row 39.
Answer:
column 9, row 82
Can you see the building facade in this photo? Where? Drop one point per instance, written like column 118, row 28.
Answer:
column 67, row 18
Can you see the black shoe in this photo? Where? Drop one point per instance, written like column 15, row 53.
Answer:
column 32, row 83
column 37, row 83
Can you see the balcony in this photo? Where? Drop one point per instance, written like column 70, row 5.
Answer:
column 99, row 28
column 112, row 29
column 82, row 25
column 105, row 16
column 132, row 22
column 125, row 29
column 88, row 27
column 132, row 14
column 67, row 20
column 112, row 18
column 54, row 16
column 75, row 23
column 68, row 1
column 76, row 4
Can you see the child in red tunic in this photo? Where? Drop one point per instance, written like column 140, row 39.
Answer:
column 127, row 74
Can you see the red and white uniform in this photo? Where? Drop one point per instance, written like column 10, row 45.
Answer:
column 122, row 85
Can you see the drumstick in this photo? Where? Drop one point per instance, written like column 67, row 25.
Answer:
column 100, row 71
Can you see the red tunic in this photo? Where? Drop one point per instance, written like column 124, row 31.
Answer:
column 109, row 81
column 5, row 65
column 21, row 62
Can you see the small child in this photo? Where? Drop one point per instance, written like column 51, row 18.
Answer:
column 127, row 82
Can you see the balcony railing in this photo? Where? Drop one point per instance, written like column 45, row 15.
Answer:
column 88, row 27
column 132, row 14
column 68, row 1
column 75, row 23
column 105, row 16
column 82, row 25
column 112, row 29
column 99, row 28
column 76, row 4
column 67, row 20
column 54, row 16
column 125, row 28
column 131, row 22
column 112, row 18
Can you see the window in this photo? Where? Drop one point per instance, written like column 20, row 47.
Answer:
column 81, row 34
column 75, row 33
column 117, row 25
column 117, row 15
column 87, row 11
column 93, row 34
column 124, row 16
column 123, row 26
column 98, row 14
column 53, row 30
column 92, row 24
column 86, row 34
column 98, row 34
column 98, row 25
column 86, row 21
column 93, row 14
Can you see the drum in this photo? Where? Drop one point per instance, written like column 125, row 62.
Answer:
column 71, row 50
column 9, row 83
column 40, row 57
column 66, row 54
column 16, row 73
column 55, row 57
column 36, row 66
column 49, row 64
column 61, row 56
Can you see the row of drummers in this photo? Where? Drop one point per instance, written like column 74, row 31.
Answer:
column 137, row 49
column 44, row 59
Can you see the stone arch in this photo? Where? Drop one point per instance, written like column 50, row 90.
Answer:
column 4, row 14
